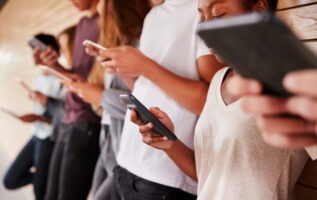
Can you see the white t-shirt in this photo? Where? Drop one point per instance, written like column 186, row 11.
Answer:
column 169, row 38
column 50, row 86
column 232, row 161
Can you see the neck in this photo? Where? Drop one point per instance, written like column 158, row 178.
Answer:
column 93, row 9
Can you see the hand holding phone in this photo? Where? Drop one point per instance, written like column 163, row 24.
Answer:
column 95, row 46
column 56, row 73
column 34, row 42
column 146, row 116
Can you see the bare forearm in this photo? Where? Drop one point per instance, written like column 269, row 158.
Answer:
column 58, row 67
column 91, row 93
column 189, row 93
column 45, row 120
column 30, row 118
column 184, row 158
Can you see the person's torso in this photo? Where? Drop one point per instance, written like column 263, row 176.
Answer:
column 51, row 87
column 168, row 37
column 232, row 160
column 76, row 109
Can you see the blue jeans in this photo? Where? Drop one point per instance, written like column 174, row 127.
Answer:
column 132, row 187
column 35, row 154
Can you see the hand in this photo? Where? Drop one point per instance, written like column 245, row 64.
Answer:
column 38, row 97
column 73, row 84
column 30, row 118
column 48, row 57
column 124, row 60
column 287, row 132
column 148, row 136
column 90, row 93
column 90, row 50
column 239, row 86
column 279, row 130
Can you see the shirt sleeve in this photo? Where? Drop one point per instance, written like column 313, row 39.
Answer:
column 201, row 48
column 312, row 152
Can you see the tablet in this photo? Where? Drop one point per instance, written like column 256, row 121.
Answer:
column 146, row 116
column 258, row 46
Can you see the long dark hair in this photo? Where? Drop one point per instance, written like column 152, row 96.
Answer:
column 247, row 4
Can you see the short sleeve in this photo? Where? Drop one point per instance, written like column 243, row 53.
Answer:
column 201, row 48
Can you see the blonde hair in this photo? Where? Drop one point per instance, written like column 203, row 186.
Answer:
column 70, row 33
column 121, row 23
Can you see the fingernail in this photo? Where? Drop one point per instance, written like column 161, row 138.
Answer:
column 289, row 80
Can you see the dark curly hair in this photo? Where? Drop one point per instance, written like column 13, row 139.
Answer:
column 49, row 40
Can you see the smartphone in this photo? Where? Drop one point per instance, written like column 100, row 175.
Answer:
column 9, row 112
column 93, row 44
column 34, row 42
column 25, row 86
column 56, row 73
column 258, row 46
column 146, row 116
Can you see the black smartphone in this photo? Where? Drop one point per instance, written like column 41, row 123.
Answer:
column 34, row 42
column 146, row 116
column 258, row 46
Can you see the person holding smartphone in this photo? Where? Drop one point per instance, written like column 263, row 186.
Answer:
column 230, row 160
column 76, row 150
column 36, row 153
column 172, row 69
column 115, row 30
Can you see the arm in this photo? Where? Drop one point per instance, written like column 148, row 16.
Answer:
column 90, row 93
column 182, row 155
column 189, row 93
column 30, row 118
column 38, row 97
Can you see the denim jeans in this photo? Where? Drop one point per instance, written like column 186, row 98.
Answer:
column 132, row 187
column 73, row 161
column 35, row 154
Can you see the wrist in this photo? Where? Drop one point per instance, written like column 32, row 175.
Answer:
column 173, row 147
column 150, row 68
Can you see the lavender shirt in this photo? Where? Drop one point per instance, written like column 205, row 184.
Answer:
column 76, row 109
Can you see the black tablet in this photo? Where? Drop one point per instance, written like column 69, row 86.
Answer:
column 259, row 46
column 146, row 116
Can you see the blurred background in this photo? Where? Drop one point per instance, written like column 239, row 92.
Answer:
column 19, row 20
